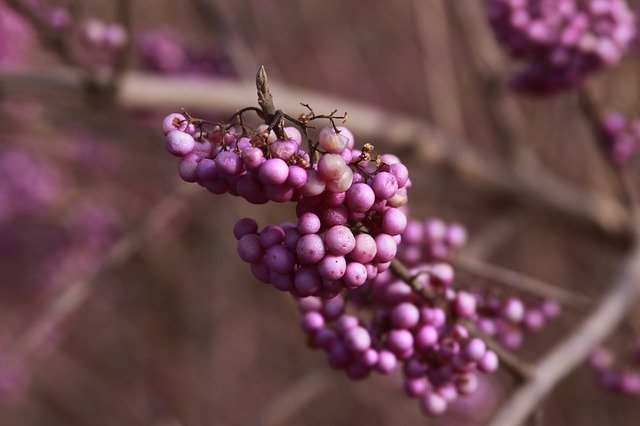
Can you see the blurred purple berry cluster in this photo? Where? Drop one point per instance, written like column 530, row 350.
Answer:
column 561, row 41
column 431, row 239
column 166, row 51
column 620, row 138
column 16, row 37
column 508, row 319
column 622, row 380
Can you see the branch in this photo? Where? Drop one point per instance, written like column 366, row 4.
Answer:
column 529, row 184
column 488, row 239
column 502, row 109
column 440, row 73
column 293, row 398
column 571, row 352
column 519, row 369
column 123, row 13
column 218, row 15
column 499, row 275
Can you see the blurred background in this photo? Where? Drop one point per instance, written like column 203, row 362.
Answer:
column 122, row 299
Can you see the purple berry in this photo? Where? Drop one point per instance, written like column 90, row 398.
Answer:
column 249, row 248
column 339, row 240
column 179, row 143
column 173, row 122
column 384, row 185
column 244, row 227
column 332, row 267
column 357, row 339
column 360, row 197
column 274, row 172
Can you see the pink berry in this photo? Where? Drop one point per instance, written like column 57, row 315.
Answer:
column 179, row 143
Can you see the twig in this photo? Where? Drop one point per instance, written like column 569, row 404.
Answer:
column 504, row 276
column 293, row 397
column 217, row 14
column 502, row 108
column 401, row 271
column 519, row 369
column 78, row 291
column 490, row 237
column 591, row 112
column 412, row 137
column 572, row 351
column 265, row 98
column 123, row 14
column 439, row 69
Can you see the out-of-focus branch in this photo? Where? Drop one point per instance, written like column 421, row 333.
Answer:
column 491, row 236
column 123, row 13
column 572, row 351
column 217, row 15
column 78, row 291
column 439, row 69
column 293, row 398
column 412, row 137
column 502, row 108
column 516, row 280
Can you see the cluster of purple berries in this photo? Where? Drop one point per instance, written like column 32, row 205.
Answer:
column 103, row 44
column 623, row 381
column 620, row 138
column 15, row 37
column 349, row 206
column 97, row 34
column 562, row 41
column 310, row 263
column 509, row 319
column 431, row 239
column 28, row 184
column 167, row 51
column 438, row 358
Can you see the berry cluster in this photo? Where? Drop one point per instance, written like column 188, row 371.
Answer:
column 507, row 320
column 100, row 35
column 103, row 44
column 347, row 203
column 166, row 51
column 310, row 263
column 337, row 260
column 438, row 357
column 620, row 138
column 623, row 381
column 562, row 41
column 431, row 239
